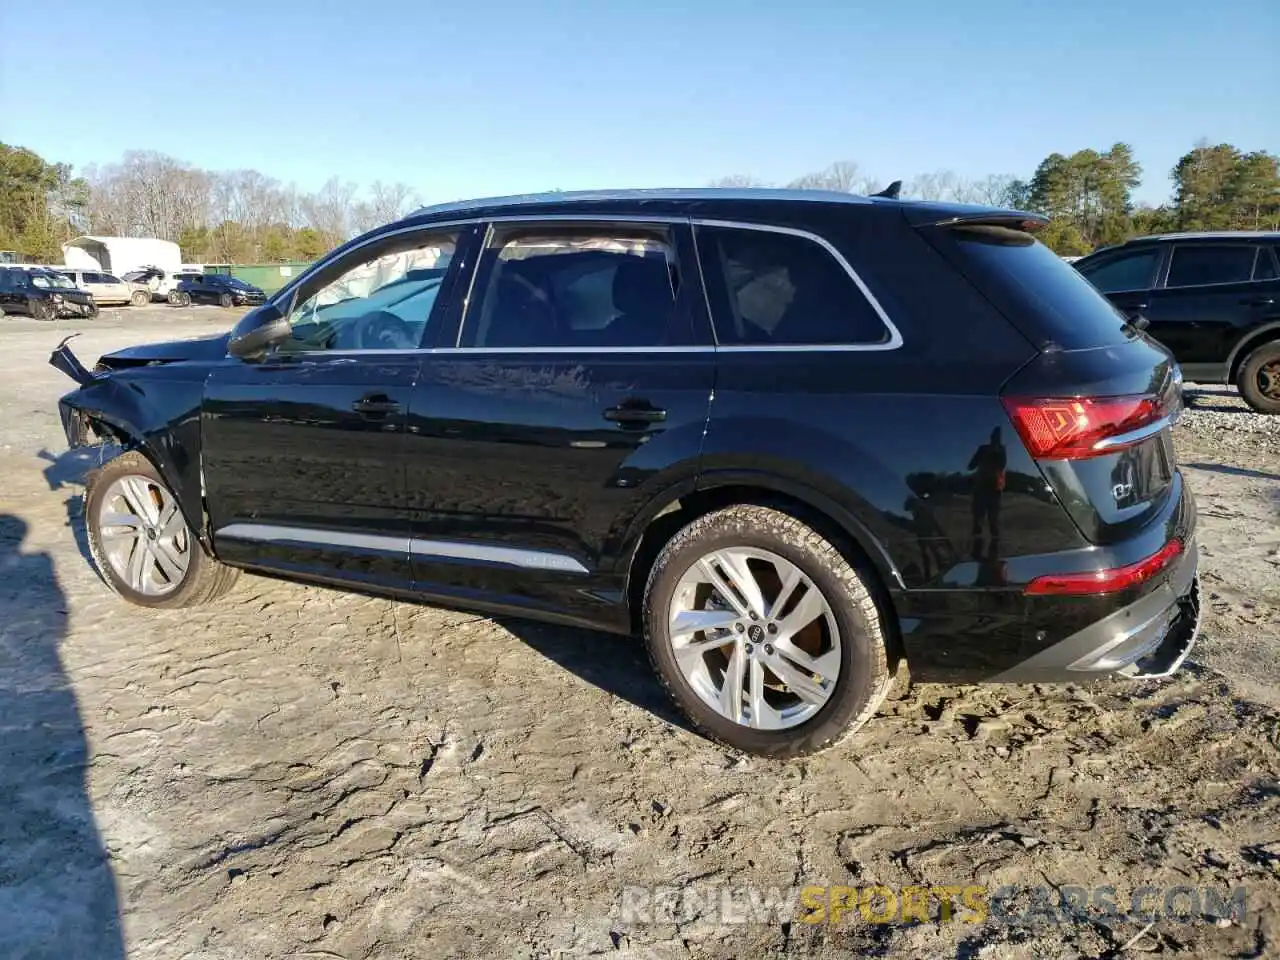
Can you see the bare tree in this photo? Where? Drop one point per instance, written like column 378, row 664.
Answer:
column 843, row 176
column 148, row 194
column 386, row 203
column 739, row 180
column 329, row 210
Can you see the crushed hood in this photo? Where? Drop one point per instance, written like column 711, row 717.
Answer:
column 201, row 348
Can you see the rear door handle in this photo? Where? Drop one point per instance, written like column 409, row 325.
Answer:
column 635, row 412
column 375, row 405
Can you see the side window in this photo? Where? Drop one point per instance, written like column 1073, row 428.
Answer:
column 108, row 278
column 578, row 288
column 1135, row 270
column 92, row 278
column 1265, row 267
column 1194, row 266
column 782, row 289
column 381, row 298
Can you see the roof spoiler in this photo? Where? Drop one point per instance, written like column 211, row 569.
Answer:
column 891, row 191
column 974, row 217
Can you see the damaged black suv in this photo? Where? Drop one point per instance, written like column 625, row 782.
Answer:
column 792, row 438
column 43, row 295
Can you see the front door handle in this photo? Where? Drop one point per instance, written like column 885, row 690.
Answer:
column 1258, row 301
column 374, row 405
column 635, row 413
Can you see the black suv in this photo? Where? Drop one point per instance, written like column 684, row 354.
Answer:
column 1212, row 298
column 790, row 437
column 219, row 288
column 43, row 295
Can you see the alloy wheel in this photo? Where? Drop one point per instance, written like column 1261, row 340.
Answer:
column 144, row 536
column 755, row 638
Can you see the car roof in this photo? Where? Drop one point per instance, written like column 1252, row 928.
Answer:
column 709, row 202
column 1224, row 235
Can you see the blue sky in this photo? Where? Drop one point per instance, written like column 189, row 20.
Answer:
column 468, row 99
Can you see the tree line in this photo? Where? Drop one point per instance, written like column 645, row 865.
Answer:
column 244, row 216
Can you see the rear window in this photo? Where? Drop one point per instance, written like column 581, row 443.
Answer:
column 1043, row 296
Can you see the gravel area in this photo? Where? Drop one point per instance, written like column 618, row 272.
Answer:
column 296, row 772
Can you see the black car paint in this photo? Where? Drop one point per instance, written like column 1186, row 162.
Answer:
column 212, row 287
column 479, row 452
column 1210, row 328
column 19, row 295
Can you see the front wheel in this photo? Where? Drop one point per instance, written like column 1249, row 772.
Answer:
column 225, row 300
column 91, row 311
column 140, row 298
column 41, row 310
column 764, row 634
column 1259, row 378
column 141, row 542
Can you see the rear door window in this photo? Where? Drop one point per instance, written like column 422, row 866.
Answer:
column 576, row 288
column 1046, row 298
column 769, row 288
column 1132, row 270
column 1195, row 265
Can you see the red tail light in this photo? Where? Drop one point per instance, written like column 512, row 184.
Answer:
column 1105, row 581
column 1071, row 428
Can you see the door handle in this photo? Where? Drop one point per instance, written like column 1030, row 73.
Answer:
column 635, row 413
column 1258, row 301
column 375, row 405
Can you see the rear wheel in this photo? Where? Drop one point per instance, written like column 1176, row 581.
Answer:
column 764, row 634
column 225, row 300
column 140, row 540
column 1259, row 378
column 140, row 298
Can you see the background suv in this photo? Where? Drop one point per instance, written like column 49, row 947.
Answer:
column 43, row 294
column 107, row 289
column 1212, row 298
column 790, row 437
column 226, row 291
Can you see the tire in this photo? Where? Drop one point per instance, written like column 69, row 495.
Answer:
column 777, row 542
column 139, row 298
column 225, row 300
column 41, row 310
column 111, row 492
column 1259, row 378
column 92, row 312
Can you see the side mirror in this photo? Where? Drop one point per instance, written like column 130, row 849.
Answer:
column 257, row 332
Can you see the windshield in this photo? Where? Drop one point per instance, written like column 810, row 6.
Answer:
column 47, row 281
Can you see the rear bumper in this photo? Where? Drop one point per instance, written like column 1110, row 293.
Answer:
column 1149, row 637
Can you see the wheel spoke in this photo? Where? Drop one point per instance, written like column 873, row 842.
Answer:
column 139, row 560
column 722, row 586
column 138, row 495
column 735, row 566
column 170, row 560
column 790, row 582
column 808, row 609
column 758, row 706
column 120, row 524
column 800, row 683
column 731, row 692
column 688, row 622
column 170, row 523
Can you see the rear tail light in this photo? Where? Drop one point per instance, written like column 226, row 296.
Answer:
column 1105, row 581
column 1071, row 428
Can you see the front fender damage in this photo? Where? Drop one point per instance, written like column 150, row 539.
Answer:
column 159, row 417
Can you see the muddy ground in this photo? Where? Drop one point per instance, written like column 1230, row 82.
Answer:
column 297, row 772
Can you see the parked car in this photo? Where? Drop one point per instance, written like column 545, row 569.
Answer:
column 107, row 289
column 43, row 294
column 791, row 438
column 1212, row 298
column 158, row 281
column 219, row 288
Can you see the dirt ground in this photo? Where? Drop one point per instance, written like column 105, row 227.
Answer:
column 298, row 772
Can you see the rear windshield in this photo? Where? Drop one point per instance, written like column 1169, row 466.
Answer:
column 1041, row 294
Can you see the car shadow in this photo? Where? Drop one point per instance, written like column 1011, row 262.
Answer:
column 617, row 665
column 70, row 469
column 58, row 894
column 1233, row 471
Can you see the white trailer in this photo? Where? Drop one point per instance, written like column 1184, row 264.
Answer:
column 162, row 259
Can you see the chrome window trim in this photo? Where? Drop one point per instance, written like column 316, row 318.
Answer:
column 895, row 338
column 894, row 342
column 519, row 557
